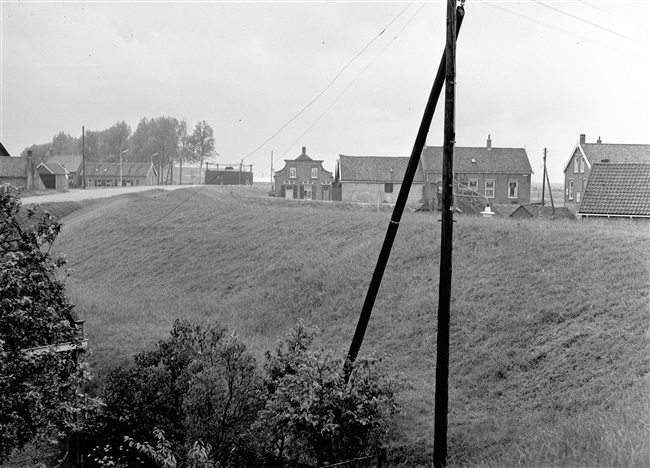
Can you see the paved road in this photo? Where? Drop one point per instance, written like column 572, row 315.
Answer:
column 81, row 194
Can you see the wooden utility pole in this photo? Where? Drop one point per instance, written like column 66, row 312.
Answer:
column 550, row 192
column 83, row 152
column 272, row 188
column 398, row 210
column 544, row 180
column 444, row 294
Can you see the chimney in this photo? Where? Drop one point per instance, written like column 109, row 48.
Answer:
column 304, row 150
column 489, row 143
column 582, row 138
column 29, row 153
column 599, row 141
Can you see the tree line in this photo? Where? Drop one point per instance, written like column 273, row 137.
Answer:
column 163, row 141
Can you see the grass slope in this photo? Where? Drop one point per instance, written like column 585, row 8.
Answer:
column 550, row 320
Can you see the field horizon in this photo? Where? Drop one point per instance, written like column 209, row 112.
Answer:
column 550, row 319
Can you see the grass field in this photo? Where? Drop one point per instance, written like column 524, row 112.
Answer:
column 550, row 320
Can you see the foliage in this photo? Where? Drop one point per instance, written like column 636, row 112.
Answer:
column 312, row 414
column 198, row 384
column 201, row 143
column 38, row 387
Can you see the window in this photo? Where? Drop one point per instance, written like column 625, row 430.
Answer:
column 513, row 188
column 137, row 181
column 388, row 187
column 578, row 197
column 570, row 189
column 582, row 165
column 584, row 184
column 473, row 185
column 576, row 164
column 489, row 188
column 314, row 173
column 292, row 172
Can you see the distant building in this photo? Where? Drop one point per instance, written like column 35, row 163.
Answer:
column 53, row 175
column 497, row 175
column 377, row 179
column 303, row 178
column 72, row 163
column 229, row 174
column 579, row 166
column 108, row 174
column 19, row 172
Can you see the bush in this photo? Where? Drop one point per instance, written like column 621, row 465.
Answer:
column 39, row 398
column 312, row 414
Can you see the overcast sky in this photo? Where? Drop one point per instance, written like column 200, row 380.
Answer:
column 530, row 74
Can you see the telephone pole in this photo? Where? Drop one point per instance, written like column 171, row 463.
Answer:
column 444, row 290
column 83, row 152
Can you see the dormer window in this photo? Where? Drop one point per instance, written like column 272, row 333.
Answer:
column 292, row 172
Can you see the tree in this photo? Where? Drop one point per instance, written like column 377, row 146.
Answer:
column 115, row 141
column 183, row 151
column 201, row 143
column 39, row 397
column 312, row 414
column 64, row 143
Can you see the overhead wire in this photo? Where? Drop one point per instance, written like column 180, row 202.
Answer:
column 159, row 219
column 330, row 83
column 350, row 84
column 587, row 21
column 622, row 18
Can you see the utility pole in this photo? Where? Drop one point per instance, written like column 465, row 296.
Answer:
column 83, row 152
column 550, row 192
column 444, row 295
column 544, row 180
column 272, row 171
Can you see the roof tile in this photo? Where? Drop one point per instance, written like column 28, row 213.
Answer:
column 617, row 189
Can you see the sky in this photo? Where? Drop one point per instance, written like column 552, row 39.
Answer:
column 335, row 77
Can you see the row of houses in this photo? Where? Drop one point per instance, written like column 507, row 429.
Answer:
column 600, row 180
column 495, row 175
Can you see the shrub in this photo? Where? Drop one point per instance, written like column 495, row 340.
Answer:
column 39, row 398
column 312, row 414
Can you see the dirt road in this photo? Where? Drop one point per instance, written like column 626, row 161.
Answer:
column 80, row 194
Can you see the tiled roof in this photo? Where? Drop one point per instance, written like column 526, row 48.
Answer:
column 617, row 189
column 71, row 162
column 615, row 153
column 113, row 169
column 13, row 167
column 376, row 169
column 51, row 168
column 3, row 151
column 480, row 160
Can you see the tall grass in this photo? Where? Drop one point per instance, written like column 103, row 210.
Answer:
column 548, row 328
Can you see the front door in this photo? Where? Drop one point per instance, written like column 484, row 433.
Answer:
column 288, row 192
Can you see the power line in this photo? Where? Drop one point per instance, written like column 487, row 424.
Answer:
column 349, row 85
column 612, row 14
column 329, row 85
column 587, row 21
column 562, row 30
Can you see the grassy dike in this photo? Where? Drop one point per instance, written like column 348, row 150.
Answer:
column 550, row 320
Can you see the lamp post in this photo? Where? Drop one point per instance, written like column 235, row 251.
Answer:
column 121, row 153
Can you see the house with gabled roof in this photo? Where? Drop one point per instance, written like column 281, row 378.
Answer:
column 72, row 163
column 617, row 190
column 377, row 179
column 493, row 175
column 303, row 178
column 19, row 172
column 579, row 166
column 53, row 175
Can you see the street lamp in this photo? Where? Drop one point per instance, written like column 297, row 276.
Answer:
column 121, row 153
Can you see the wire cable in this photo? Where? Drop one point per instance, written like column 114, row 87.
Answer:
column 329, row 85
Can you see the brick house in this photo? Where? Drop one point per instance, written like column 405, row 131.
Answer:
column 303, row 178
column 377, row 179
column 500, row 175
column 578, row 168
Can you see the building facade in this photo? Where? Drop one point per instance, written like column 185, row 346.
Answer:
column 110, row 174
column 584, row 156
column 303, row 178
